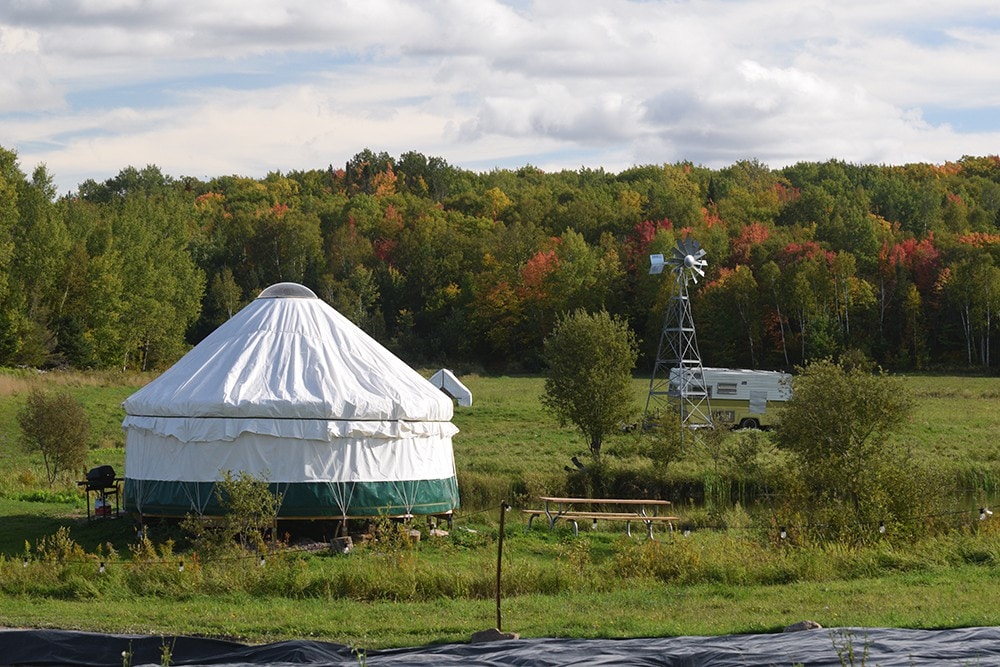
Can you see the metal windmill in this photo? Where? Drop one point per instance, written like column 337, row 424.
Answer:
column 678, row 380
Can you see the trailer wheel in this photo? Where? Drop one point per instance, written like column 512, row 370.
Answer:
column 749, row 422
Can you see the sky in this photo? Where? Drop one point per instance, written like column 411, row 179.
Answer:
column 208, row 88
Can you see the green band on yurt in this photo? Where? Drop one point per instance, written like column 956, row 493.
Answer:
column 314, row 500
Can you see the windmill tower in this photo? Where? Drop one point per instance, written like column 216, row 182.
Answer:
column 678, row 380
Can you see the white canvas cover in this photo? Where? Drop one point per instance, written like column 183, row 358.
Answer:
column 290, row 390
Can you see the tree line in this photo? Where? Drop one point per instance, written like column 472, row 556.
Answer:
column 446, row 265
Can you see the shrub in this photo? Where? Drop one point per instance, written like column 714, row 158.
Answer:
column 249, row 508
column 851, row 474
column 55, row 425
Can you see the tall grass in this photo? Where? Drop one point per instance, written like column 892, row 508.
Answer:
column 462, row 565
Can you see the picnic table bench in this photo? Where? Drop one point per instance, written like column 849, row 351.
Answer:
column 618, row 509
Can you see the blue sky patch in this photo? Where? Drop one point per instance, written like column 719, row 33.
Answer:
column 966, row 121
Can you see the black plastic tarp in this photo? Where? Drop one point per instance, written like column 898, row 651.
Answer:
column 834, row 647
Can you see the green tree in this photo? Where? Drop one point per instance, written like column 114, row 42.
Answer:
column 589, row 379
column 838, row 426
column 667, row 191
column 224, row 296
column 973, row 287
column 362, row 170
column 735, row 291
column 286, row 245
column 584, row 275
column 12, row 182
column 749, row 193
column 42, row 245
column 432, row 176
column 54, row 425
column 88, row 310
column 770, row 283
column 811, row 291
column 162, row 287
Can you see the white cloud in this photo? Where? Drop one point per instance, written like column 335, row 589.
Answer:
column 17, row 40
column 201, row 87
column 25, row 85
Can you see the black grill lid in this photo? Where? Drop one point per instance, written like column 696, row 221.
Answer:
column 100, row 477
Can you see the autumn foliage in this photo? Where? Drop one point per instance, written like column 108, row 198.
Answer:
column 441, row 263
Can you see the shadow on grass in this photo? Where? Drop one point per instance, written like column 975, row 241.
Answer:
column 21, row 528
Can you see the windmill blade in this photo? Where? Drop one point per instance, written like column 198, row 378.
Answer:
column 676, row 261
column 686, row 261
column 690, row 246
column 678, row 256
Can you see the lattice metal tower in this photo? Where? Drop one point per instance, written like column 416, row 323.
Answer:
column 678, row 380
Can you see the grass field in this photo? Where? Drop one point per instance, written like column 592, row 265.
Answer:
column 508, row 444
column 600, row 584
column 959, row 597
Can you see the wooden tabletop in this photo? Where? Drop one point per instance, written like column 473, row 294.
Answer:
column 605, row 501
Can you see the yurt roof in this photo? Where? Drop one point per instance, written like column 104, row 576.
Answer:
column 288, row 354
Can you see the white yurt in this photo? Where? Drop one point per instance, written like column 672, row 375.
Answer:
column 289, row 390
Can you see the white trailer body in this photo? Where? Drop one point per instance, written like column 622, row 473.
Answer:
column 746, row 398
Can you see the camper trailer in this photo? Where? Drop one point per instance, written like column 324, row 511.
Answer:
column 746, row 398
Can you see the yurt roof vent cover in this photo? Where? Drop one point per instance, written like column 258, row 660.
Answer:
column 287, row 291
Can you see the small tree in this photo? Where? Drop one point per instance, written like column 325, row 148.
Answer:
column 54, row 424
column 250, row 507
column 838, row 425
column 589, row 380
column 665, row 445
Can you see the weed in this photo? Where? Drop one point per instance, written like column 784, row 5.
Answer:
column 65, row 497
column 577, row 553
column 166, row 651
column 843, row 643
column 27, row 477
column 59, row 547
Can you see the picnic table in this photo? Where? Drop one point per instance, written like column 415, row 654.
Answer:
column 646, row 510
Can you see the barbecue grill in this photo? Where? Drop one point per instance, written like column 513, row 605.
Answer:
column 102, row 482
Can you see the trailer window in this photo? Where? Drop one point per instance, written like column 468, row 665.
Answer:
column 726, row 388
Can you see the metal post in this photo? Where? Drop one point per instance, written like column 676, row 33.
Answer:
column 503, row 512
